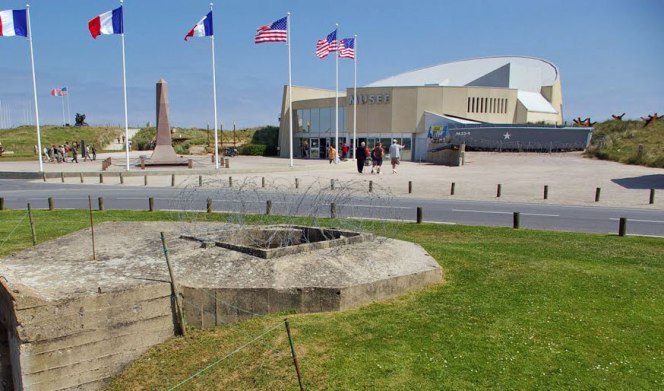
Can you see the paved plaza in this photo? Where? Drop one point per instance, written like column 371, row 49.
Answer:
column 571, row 178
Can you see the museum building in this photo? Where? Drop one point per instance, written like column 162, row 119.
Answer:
column 492, row 90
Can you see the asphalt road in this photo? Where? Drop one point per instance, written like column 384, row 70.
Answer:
column 17, row 193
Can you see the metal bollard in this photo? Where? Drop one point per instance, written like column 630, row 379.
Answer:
column 652, row 196
column 263, row 182
column 80, row 174
column 190, row 163
column 516, row 220
column 452, row 189
column 62, row 177
column 100, row 201
column 101, row 178
column 142, row 163
column 546, row 192
column 333, row 210
column 410, row 187
column 44, row 176
column 370, row 186
column 230, row 181
column 268, row 207
column 200, row 180
column 331, row 184
column 297, row 183
column 208, row 207
column 419, row 215
column 145, row 180
column 597, row 193
column 51, row 204
column 622, row 227
column 151, row 204
column 499, row 190
column 121, row 179
column 227, row 162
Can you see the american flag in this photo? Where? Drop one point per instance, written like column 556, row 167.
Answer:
column 347, row 48
column 322, row 48
column 274, row 32
column 327, row 45
column 63, row 91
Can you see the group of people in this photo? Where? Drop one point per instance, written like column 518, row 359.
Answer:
column 60, row 153
column 332, row 153
column 377, row 154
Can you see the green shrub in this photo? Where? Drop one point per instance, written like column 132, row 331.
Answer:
column 142, row 139
column 258, row 150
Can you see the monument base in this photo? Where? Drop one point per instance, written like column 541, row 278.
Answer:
column 164, row 155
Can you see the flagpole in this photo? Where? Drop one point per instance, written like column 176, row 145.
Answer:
column 290, row 90
column 355, row 101
column 124, row 88
column 68, row 112
column 62, row 99
column 214, row 100
column 336, row 99
column 34, row 90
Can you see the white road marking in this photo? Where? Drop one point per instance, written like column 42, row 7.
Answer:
column 639, row 221
column 503, row 213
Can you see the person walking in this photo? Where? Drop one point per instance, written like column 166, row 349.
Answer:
column 74, row 152
column 344, row 151
column 331, row 154
column 395, row 155
column 361, row 156
column 377, row 158
column 94, row 152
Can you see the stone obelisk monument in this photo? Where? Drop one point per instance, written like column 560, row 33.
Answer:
column 163, row 153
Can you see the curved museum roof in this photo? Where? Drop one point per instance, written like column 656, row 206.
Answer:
column 521, row 73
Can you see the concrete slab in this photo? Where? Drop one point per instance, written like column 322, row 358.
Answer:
column 74, row 321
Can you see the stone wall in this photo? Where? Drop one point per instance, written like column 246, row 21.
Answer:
column 80, row 343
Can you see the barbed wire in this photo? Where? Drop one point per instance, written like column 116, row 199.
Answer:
column 13, row 230
column 309, row 201
column 225, row 357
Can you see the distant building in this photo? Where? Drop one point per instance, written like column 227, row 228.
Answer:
column 492, row 90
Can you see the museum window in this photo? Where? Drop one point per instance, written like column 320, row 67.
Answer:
column 473, row 110
column 315, row 120
column 468, row 110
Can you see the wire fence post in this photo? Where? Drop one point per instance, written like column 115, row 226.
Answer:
column 292, row 348
column 180, row 329
column 32, row 226
column 92, row 228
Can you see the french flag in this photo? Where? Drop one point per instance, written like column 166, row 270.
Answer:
column 13, row 23
column 202, row 29
column 107, row 23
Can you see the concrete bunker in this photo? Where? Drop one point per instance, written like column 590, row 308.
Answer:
column 68, row 322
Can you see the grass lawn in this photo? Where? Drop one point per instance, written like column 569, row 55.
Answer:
column 520, row 309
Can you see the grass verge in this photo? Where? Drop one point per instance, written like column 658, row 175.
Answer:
column 520, row 309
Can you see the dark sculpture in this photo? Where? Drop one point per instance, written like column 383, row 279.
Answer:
column 618, row 117
column 651, row 119
column 583, row 123
column 80, row 120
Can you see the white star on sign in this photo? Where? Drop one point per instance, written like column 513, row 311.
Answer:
column 507, row 135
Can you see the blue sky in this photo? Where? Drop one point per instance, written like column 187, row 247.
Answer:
column 610, row 53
